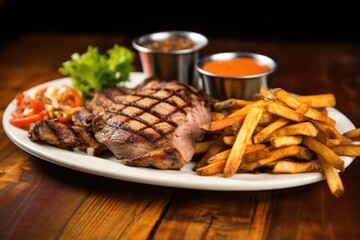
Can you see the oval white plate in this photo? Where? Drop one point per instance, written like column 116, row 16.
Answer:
column 184, row 178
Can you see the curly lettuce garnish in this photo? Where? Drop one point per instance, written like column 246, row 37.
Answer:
column 93, row 71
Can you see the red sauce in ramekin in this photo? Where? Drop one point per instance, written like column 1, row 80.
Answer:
column 236, row 67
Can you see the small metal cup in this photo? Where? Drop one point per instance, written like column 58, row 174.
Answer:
column 239, row 87
column 177, row 65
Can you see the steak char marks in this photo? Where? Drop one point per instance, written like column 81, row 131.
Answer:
column 65, row 136
column 156, row 124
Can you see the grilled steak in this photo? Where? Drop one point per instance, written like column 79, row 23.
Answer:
column 154, row 125
column 64, row 136
column 83, row 118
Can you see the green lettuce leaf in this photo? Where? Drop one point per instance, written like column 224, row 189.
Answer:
column 93, row 71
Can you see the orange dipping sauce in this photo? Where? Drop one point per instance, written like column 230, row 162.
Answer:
column 236, row 67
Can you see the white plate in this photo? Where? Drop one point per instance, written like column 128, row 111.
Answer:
column 184, row 178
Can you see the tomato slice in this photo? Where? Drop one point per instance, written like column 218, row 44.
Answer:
column 37, row 105
column 71, row 97
column 26, row 121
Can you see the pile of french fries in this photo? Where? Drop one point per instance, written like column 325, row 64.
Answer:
column 279, row 133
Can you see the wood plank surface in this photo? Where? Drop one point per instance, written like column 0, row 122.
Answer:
column 41, row 200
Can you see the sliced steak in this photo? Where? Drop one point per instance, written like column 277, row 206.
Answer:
column 155, row 125
column 64, row 136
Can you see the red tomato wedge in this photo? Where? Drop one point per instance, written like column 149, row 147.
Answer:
column 71, row 97
column 24, row 122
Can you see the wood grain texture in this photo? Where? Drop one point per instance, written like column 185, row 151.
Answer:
column 201, row 217
column 40, row 200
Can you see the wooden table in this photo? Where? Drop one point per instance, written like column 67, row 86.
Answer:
column 41, row 200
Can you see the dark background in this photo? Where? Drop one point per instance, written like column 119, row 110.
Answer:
column 214, row 18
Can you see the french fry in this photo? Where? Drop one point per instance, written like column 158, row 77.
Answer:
column 286, row 166
column 330, row 131
column 317, row 115
column 245, row 110
column 323, row 110
column 222, row 123
column 283, row 141
column 267, row 94
column 230, row 103
column 250, row 155
column 327, row 141
column 236, row 127
column 302, row 108
column 294, row 103
column 274, row 155
column 254, row 147
column 324, row 151
column 254, row 156
column 287, row 98
column 234, row 160
column 202, row 147
column 229, row 141
column 346, row 141
column 314, row 101
column 219, row 156
column 332, row 177
column 266, row 118
column 304, row 128
column 347, row 150
column 284, row 111
column 318, row 101
column 217, row 116
column 304, row 153
column 215, row 148
column 265, row 133
column 353, row 134
column 212, row 169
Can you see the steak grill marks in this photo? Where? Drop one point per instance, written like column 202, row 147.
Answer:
column 63, row 137
column 185, row 94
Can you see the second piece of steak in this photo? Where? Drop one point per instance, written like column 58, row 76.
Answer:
column 64, row 136
column 154, row 125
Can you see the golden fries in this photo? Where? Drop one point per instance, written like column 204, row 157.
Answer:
column 294, row 102
column 277, row 154
column 304, row 129
column 347, row 150
column 332, row 178
column 324, row 151
column 353, row 134
column 202, row 147
column 230, row 103
column 264, row 134
column 222, row 123
column 278, row 133
column 283, row 141
column 318, row 101
column 288, row 166
column 284, row 111
column 211, row 169
column 217, row 116
column 246, row 131
column 216, row 147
